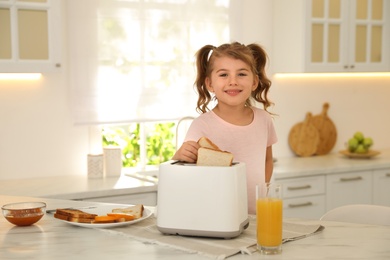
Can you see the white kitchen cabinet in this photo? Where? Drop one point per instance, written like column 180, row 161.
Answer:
column 348, row 188
column 303, row 197
column 331, row 36
column 30, row 36
column 381, row 187
column 309, row 207
column 145, row 198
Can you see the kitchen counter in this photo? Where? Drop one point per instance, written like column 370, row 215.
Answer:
column 53, row 239
column 76, row 187
column 80, row 187
column 328, row 164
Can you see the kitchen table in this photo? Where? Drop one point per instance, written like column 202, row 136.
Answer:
column 53, row 239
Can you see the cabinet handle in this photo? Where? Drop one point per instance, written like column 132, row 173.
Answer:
column 299, row 187
column 349, row 67
column 304, row 204
column 357, row 178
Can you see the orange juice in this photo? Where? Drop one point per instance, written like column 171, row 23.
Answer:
column 269, row 221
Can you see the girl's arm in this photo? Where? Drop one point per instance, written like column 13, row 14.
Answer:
column 269, row 164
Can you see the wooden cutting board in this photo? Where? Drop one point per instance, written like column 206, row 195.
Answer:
column 304, row 137
column 326, row 129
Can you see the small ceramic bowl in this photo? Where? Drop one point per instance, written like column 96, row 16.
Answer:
column 24, row 213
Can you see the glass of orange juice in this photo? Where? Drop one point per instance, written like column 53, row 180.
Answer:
column 269, row 218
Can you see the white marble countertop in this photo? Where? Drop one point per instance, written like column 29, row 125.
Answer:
column 54, row 239
column 76, row 187
column 327, row 164
column 81, row 187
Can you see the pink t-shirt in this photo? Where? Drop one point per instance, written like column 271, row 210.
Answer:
column 247, row 143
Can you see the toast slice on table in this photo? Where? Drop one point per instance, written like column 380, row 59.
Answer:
column 73, row 219
column 74, row 215
column 211, row 157
column 136, row 210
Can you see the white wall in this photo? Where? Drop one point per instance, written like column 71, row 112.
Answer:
column 356, row 104
column 38, row 138
column 37, row 135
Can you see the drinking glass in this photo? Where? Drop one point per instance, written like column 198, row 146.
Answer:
column 269, row 216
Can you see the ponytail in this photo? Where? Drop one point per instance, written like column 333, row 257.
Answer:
column 202, row 59
column 260, row 94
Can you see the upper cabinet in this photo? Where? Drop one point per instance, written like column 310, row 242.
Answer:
column 331, row 36
column 29, row 35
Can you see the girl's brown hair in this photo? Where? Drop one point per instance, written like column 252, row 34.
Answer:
column 252, row 54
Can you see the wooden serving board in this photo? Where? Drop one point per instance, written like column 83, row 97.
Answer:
column 326, row 129
column 304, row 137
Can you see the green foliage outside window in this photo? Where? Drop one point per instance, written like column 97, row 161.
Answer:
column 160, row 145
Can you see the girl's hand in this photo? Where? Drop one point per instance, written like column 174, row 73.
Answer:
column 188, row 152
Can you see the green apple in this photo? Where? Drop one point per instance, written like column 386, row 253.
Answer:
column 352, row 144
column 359, row 136
column 361, row 149
column 368, row 142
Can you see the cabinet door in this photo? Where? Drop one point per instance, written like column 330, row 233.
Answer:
column 327, row 35
column 368, row 42
column 381, row 192
column 348, row 188
column 29, row 39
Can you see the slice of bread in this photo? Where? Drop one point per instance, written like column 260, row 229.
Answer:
column 72, row 219
column 211, row 157
column 136, row 210
column 74, row 215
column 209, row 154
column 205, row 142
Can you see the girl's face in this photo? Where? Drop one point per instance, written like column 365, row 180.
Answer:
column 232, row 81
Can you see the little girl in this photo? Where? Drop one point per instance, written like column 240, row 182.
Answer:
column 234, row 75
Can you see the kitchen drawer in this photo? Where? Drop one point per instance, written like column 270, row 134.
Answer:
column 311, row 207
column 381, row 187
column 348, row 188
column 298, row 187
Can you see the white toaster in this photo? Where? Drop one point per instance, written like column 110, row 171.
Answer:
column 208, row 201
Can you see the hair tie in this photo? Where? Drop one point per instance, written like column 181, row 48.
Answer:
column 210, row 53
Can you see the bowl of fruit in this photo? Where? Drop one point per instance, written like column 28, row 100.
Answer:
column 359, row 146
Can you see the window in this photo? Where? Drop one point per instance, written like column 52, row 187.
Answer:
column 132, row 61
column 144, row 145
